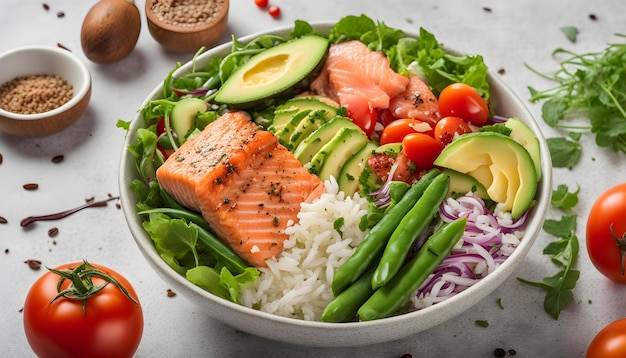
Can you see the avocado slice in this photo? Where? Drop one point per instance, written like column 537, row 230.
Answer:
column 285, row 112
column 462, row 184
column 348, row 179
column 501, row 164
column 525, row 136
column 273, row 72
column 314, row 142
column 184, row 115
column 334, row 154
column 285, row 133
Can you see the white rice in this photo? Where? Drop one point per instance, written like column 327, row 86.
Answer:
column 297, row 284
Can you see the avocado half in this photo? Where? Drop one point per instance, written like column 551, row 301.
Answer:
column 274, row 72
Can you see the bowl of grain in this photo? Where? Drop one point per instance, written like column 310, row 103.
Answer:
column 42, row 90
column 187, row 25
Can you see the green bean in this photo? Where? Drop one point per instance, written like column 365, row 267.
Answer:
column 411, row 226
column 388, row 299
column 344, row 306
column 374, row 242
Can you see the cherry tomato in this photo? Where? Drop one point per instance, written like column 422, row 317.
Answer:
column 274, row 11
column 107, row 323
column 361, row 112
column 461, row 100
column 395, row 131
column 261, row 3
column 421, row 148
column 606, row 232
column 610, row 342
column 449, row 128
column 160, row 126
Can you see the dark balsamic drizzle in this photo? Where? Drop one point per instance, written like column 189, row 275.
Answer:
column 31, row 219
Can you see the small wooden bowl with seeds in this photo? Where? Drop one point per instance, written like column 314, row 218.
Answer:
column 42, row 90
column 186, row 25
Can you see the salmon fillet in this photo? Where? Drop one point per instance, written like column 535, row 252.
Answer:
column 353, row 69
column 416, row 102
column 247, row 186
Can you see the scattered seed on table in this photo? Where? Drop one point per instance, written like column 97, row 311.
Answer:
column 6, row 251
column 501, row 70
column 53, row 232
column 487, row 9
column 57, row 158
column 60, row 14
column 512, row 352
column 499, row 352
column 0, row 158
column 593, row 17
column 46, row 6
column 89, row 200
column 170, row 293
column 31, row 186
column 3, row 220
column 33, row 264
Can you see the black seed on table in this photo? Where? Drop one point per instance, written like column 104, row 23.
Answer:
column 499, row 352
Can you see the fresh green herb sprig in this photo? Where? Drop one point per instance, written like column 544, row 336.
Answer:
column 591, row 85
column 563, row 252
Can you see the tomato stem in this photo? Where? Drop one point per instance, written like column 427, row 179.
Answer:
column 621, row 243
column 82, row 287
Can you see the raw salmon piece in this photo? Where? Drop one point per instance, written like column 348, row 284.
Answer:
column 417, row 102
column 246, row 185
column 352, row 68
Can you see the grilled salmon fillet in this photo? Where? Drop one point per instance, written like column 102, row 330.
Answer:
column 247, row 186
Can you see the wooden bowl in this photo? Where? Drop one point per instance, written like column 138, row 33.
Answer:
column 41, row 60
column 186, row 39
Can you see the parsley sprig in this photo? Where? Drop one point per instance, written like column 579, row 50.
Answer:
column 590, row 85
column 563, row 253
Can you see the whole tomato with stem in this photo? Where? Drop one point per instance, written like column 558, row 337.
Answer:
column 610, row 342
column 606, row 233
column 83, row 310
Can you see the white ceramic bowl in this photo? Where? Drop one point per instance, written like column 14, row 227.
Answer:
column 338, row 334
column 45, row 60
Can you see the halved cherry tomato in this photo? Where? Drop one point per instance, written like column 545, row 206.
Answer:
column 395, row 131
column 261, row 3
column 449, row 128
column 461, row 100
column 361, row 112
column 160, row 126
column 91, row 319
column 610, row 342
column 422, row 149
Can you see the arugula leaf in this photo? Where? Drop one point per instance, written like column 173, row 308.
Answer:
column 563, row 198
column 591, row 86
column 564, row 253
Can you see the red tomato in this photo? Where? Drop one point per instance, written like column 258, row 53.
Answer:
column 274, row 11
column 361, row 113
column 449, row 128
column 106, row 324
column 606, row 214
column 422, row 149
column 160, row 126
column 395, row 131
column 461, row 100
column 261, row 3
column 610, row 342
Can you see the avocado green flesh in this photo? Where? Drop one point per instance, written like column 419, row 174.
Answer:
column 184, row 114
column 331, row 157
column 273, row 72
column 314, row 142
column 285, row 112
column 525, row 136
column 462, row 184
column 348, row 179
column 502, row 165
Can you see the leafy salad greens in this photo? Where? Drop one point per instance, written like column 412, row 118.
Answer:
column 183, row 238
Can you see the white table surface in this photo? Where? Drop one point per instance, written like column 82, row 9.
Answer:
column 512, row 33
